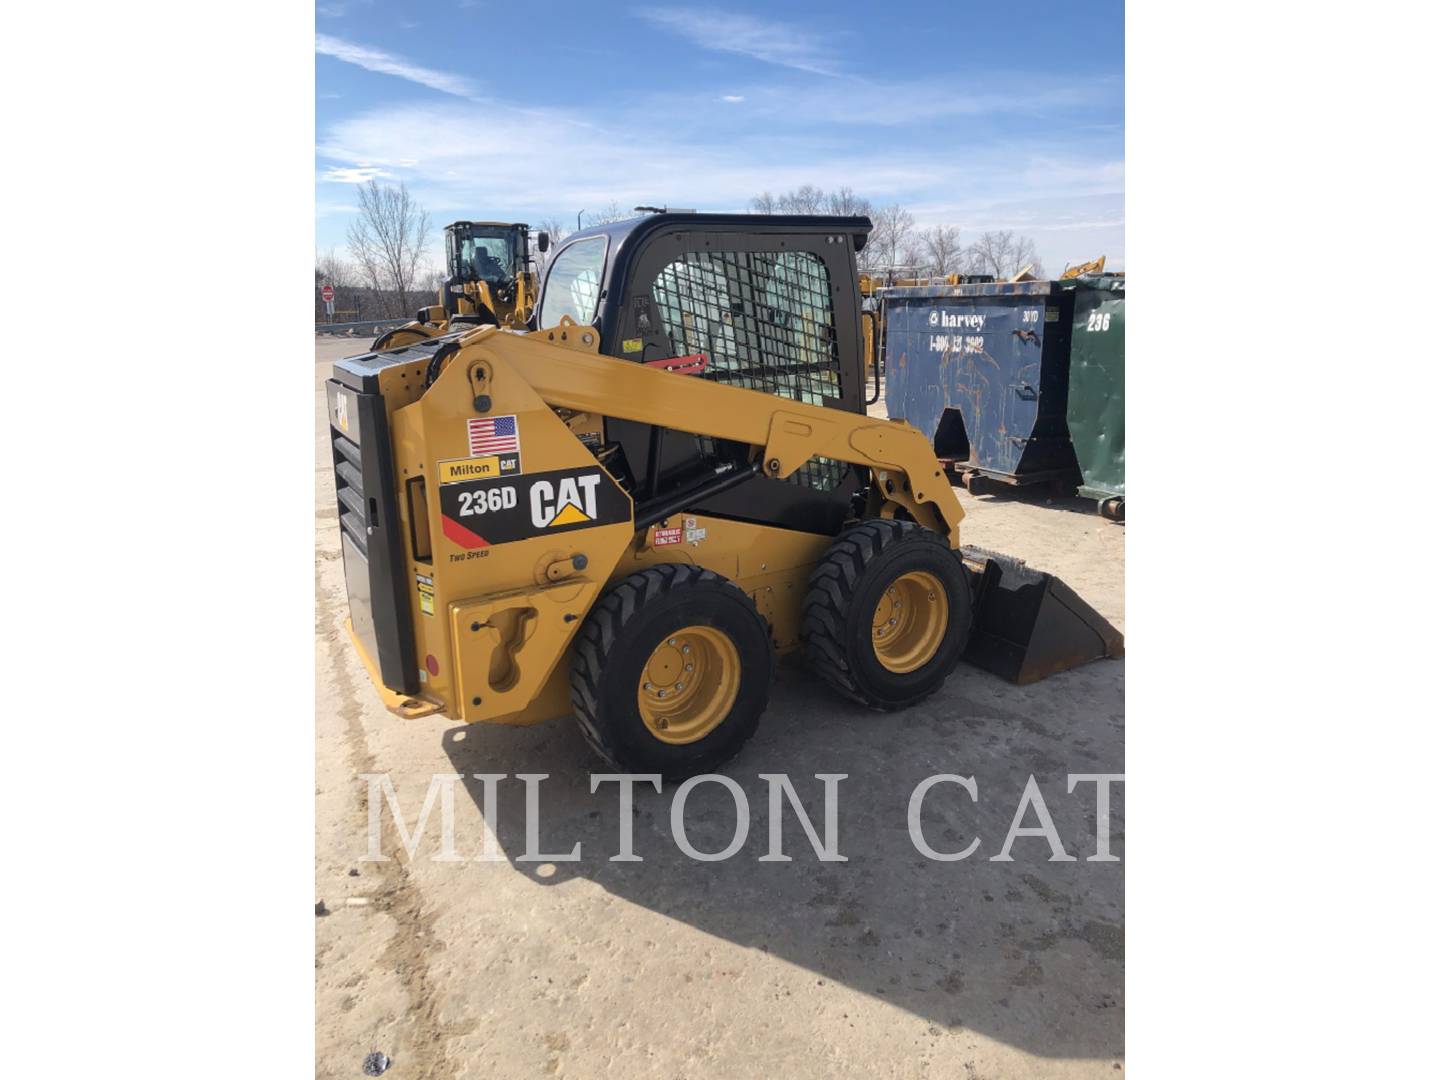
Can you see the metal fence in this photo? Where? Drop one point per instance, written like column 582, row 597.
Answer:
column 372, row 327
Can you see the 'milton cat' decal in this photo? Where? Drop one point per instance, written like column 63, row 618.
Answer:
column 479, row 513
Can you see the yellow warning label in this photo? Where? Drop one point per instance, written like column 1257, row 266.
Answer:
column 633, row 344
column 479, row 468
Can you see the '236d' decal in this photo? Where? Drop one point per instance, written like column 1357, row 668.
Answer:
column 484, row 512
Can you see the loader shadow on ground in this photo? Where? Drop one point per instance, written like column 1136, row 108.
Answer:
column 1030, row 952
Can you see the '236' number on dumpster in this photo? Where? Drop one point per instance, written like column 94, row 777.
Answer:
column 1099, row 320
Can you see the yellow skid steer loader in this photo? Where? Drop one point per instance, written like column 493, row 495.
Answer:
column 627, row 512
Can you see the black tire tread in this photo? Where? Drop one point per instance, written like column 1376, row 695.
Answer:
column 832, row 588
column 605, row 625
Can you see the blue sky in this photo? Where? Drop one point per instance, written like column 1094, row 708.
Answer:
column 981, row 116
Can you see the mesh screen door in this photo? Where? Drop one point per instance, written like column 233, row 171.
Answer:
column 765, row 320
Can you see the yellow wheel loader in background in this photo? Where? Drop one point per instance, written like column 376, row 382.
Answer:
column 488, row 282
column 630, row 512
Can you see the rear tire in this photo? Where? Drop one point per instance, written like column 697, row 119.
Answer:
column 639, row 644
column 887, row 614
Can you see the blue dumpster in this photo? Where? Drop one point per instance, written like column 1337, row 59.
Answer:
column 983, row 369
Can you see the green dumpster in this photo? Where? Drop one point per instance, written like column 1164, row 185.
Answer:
column 1096, row 408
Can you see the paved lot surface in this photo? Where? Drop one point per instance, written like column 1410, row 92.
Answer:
column 888, row 964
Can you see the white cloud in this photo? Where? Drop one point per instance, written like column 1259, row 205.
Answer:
column 503, row 160
column 1065, row 191
column 733, row 99
column 500, row 161
column 780, row 43
column 361, row 174
column 387, row 64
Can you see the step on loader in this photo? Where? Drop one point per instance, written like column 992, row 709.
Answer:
column 628, row 511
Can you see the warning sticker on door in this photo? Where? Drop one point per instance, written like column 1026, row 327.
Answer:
column 425, row 587
column 667, row 536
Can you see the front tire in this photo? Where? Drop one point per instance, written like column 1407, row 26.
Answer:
column 887, row 614
column 671, row 672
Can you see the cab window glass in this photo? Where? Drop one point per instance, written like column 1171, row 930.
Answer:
column 488, row 257
column 572, row 287
column 765, row 319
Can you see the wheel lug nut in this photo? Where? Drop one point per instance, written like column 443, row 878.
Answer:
column 679, row 686
column 685, row 649
column 649, row 686
column 663, row 724
column 672, row 642
column 689, row 667
column 662, row 693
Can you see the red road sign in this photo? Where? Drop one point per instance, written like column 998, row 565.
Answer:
column 327, row 293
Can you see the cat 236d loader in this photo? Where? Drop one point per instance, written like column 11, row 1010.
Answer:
column 626, row 512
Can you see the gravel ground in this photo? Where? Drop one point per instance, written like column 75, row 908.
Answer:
column 888, row 964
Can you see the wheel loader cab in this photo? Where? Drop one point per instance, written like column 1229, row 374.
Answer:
column 476, row 251
column 770, row 303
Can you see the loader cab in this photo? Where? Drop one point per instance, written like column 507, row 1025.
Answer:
column 490, row 251
column 769, row 300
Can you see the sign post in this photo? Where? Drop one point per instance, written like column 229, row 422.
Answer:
column 327, row 293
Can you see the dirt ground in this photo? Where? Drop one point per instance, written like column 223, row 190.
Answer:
column 888, row 964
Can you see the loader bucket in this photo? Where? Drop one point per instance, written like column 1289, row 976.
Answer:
column 1030, row 624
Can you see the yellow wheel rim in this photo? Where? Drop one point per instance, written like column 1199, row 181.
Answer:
column 689, row 684
column 910, row 621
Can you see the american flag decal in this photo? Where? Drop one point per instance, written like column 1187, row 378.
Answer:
column 493, row 435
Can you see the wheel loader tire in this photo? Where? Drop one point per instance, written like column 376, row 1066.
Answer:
column 671, row 672
column 887, row 614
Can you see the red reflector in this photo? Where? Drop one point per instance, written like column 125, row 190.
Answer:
column 681, row 365
column 432, row 665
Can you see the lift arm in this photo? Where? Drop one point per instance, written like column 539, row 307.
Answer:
column 564, row 368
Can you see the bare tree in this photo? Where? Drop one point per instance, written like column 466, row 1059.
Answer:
column 387, row 240
column 845, row 203
column 809, row 199
column 557, row 230
column 332, row 269
column 556, row 227
column 1003, row 254
column 889, row 240
column 606, row 214
column 941, row 250
column 806, row 199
